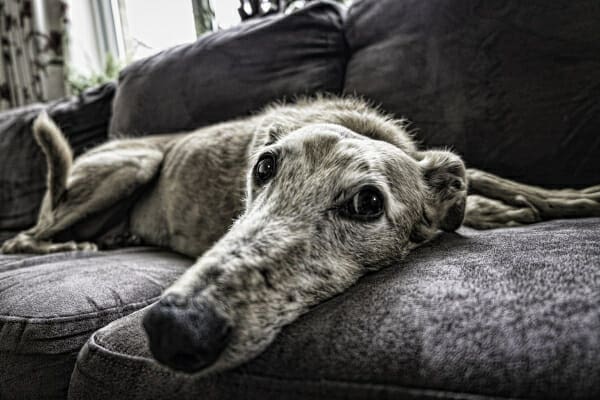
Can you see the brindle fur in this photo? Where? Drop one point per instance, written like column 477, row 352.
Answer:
column 268, row 253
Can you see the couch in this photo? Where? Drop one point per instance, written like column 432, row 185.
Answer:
column 510, row 313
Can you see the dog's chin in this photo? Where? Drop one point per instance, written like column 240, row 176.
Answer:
column 188, row 365
column 229, row 359
column 184, row 365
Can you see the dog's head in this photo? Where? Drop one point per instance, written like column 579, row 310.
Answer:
column 324, row 206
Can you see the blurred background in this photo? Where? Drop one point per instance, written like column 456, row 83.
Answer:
column 53, row 48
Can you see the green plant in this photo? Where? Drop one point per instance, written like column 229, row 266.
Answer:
column 77, row 83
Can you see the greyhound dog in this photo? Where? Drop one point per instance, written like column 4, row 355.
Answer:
column 284, row 209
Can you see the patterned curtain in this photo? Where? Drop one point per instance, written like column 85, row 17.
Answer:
column 204, row 16
column 32, row 49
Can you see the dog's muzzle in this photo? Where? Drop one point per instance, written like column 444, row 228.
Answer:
column 186, row 335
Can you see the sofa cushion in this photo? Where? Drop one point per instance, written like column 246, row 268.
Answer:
column 504, row 313
column 50, row 305
column 512, row 86
column 230, row 73
column 83, row 119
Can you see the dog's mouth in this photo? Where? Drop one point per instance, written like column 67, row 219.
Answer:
column 229, row 306
column 186, row 335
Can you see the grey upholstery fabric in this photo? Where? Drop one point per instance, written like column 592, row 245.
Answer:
column 50, row 305
column 230, row 73
column 22, row 181
column 84, row 120
column 506, row 313
column 512, row 86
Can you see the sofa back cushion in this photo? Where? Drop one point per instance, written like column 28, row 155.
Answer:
column 513, row 86
column 233, row 72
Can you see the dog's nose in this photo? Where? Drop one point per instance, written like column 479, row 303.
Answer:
column 185, row 335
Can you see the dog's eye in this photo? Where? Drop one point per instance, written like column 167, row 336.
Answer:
column 265, row 168
column 367, row 204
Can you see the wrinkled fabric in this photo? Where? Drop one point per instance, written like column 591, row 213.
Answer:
column 233, row 72
column 513, row 86
column 505, row 313
column 84, row 121
column 51, row 304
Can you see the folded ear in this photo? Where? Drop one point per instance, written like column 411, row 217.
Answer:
column 445, row 178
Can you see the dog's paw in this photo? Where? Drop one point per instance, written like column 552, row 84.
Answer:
column 68, row 246
column 24, row 243
column 86, row 246
column 16, row 245
column 7, row 247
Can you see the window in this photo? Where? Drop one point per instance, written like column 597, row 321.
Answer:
column 149, row 26
column 226, row 13
column 102, row 32
column 105, row 35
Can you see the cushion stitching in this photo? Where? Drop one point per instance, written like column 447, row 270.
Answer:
column 105, row 353
column 376, row 385
column 40, row 354
column 81, row 255
column 97, row 351
column 74, row 317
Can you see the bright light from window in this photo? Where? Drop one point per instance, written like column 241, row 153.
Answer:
column 226, row 13
column 155, row 25
column 129, row 30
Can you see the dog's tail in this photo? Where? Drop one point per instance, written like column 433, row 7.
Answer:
column 59, row 156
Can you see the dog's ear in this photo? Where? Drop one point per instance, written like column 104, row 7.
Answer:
column 268, row 131
column 445, row 178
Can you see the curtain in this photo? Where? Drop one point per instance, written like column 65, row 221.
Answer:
column 203, row 16
column 32, row 50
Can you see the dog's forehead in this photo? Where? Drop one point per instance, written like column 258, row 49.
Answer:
column 340, row 159
column 318, row 134
column 325, row 145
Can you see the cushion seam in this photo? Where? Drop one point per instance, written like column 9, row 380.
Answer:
column 104, row 352
column 75, row 317
column 413, row 391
